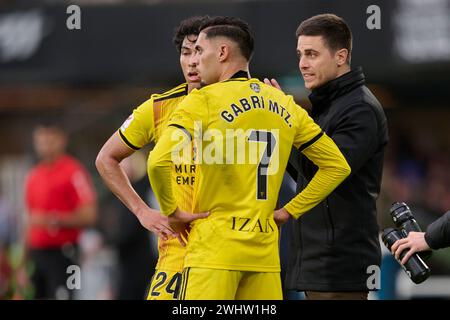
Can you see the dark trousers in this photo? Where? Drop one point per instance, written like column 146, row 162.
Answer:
column 50, row 275
column 317, row 295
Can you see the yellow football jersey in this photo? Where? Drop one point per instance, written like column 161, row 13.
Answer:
column 144, row 126
column 243, row 131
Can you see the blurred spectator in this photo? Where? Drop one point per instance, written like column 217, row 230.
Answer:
column 8, row 223
column 14, row 283
column 97, row 265
column 417, row 173
column 60, row 201
column 7, row 237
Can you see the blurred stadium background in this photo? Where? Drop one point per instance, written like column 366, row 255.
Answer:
column 95, row 77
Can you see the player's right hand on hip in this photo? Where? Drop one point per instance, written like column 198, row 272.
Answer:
column 281, row 216
column 157, row 223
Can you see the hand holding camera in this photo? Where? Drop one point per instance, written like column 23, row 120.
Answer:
column 411, row 262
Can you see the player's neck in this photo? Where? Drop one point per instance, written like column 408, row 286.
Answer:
column 232, row 69
column 192, row 86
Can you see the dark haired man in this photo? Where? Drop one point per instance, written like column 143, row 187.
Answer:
column 233, row 253
column 334, row 244
column 144, row 126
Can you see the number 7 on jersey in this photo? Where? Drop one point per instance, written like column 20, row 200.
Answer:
column 263, row 166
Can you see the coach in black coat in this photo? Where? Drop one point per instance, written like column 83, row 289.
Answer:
column 332, row 245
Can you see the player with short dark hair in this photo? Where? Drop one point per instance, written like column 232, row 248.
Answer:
column 235, row 29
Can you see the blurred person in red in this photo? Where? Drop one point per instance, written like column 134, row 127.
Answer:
column 60, row 201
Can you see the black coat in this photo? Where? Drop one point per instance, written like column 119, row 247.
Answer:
column 438, row 233
column 332, row 245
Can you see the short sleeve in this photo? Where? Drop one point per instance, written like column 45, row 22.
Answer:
column 191, row 113
column 27, row 192
column 83, row 187
column 139, row 129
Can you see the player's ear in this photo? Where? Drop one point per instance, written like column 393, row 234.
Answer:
column 224, row 52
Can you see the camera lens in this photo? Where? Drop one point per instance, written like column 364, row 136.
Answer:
column 400, row 213
column 404, row 220
column 389, row 237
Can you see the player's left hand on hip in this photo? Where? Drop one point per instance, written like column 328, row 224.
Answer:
column 179, row 222
column 281, row 216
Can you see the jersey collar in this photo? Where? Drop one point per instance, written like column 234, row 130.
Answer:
column 240, row 74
